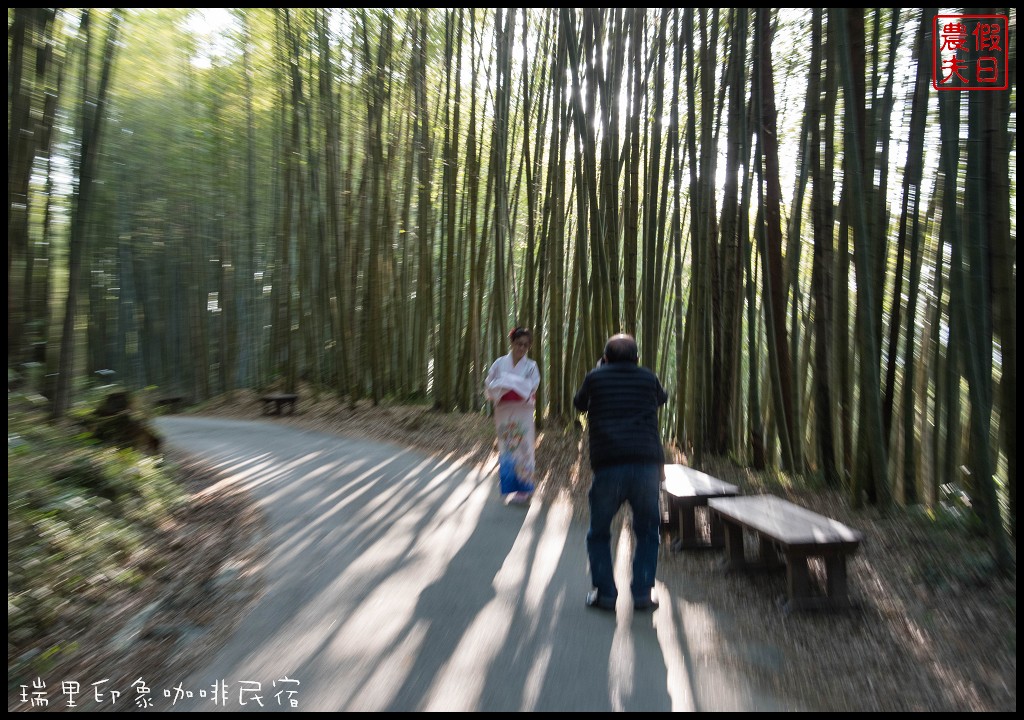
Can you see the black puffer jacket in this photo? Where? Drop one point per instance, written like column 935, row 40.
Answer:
column 621, row 400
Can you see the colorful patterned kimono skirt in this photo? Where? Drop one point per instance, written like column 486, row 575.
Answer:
column 514, row 424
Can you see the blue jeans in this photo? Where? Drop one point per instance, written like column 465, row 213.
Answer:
column 639, row 485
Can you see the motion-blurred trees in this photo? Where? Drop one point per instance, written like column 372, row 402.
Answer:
column 366, row 200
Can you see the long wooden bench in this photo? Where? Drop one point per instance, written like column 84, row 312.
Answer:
column 686, row 490
column 172, row 403
column 278, row 401
column 796, row 532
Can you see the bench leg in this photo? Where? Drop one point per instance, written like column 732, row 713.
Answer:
column 798, row 581
column 835, row 579
column 734, row 546
column 716, row 530
column 799, row 584
column 767, row 554
column 687, row 525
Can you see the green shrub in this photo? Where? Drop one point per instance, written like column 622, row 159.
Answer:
column 80, row 516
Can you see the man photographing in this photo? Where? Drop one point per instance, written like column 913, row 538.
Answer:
column 621, row 400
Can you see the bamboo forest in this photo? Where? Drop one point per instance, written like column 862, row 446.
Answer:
column 811, row 238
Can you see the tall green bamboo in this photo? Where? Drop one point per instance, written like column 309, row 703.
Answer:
column 911, row 201
column 771, row 249
column 90, row 126
column 822, row 211
column 851, row 64
column 731, row 267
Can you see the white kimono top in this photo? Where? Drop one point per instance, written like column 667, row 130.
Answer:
column 522, row 379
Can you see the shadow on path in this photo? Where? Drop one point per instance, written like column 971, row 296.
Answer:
column 397, row 581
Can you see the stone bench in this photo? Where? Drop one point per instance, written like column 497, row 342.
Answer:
column 173, row 403
column 686, row 490
column 798, row 534
column 278, row 401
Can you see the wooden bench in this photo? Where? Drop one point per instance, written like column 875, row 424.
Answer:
column 798, row 533
column 686, row 490
column 173, row 404
column 278, row 401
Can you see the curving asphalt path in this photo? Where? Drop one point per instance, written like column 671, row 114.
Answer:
column 398, row 581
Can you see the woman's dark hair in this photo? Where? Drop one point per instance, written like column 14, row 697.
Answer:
column 518, row 332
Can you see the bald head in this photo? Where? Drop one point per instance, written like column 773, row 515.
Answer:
column 621, row 348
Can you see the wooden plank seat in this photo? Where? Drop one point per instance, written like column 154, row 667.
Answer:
column 686, row 490
column 173, row 403
column 796, row 532
column 277, row 401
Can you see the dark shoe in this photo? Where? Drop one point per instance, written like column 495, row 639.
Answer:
column 594, row 600
column 647, row 603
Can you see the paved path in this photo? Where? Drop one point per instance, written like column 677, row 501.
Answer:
column 397, row 581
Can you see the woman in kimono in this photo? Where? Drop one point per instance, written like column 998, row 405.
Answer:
column 512, row 385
